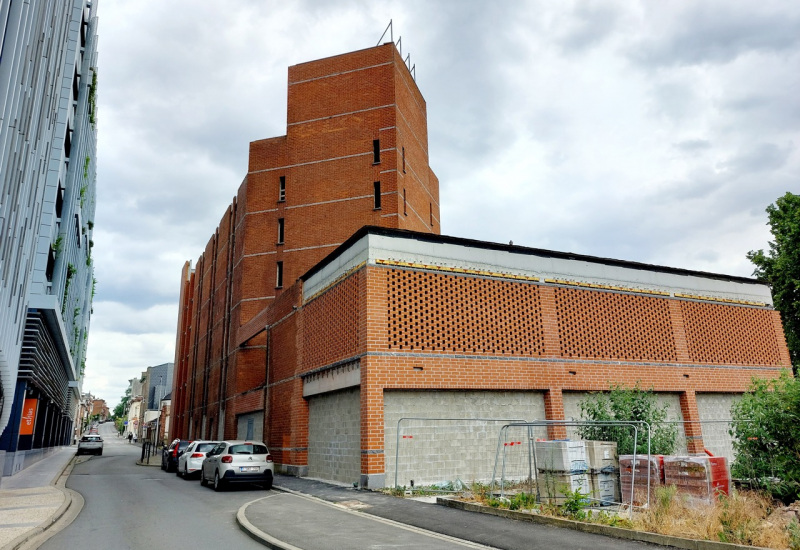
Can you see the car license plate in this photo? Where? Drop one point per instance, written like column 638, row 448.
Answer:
column 248, row 468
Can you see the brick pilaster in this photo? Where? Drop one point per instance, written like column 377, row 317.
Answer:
column 554, row 410
column 692, row 426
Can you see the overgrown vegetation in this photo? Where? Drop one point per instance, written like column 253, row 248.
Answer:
column 71, row 271
column 780, row 268
column 93, row 97
column 744, row 517
column 628, row 404
column 766, row 431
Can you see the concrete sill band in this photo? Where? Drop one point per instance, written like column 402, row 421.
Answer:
column 616, row 532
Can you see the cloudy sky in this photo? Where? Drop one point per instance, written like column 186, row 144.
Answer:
column 648, row 131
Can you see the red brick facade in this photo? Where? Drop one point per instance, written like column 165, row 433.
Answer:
column 245, row 342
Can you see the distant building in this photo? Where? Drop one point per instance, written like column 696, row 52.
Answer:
column 326, row 307
column 48, row 88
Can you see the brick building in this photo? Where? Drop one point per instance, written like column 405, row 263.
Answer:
column 326, row 306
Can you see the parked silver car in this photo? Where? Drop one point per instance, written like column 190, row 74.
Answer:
column 238, row 462
column 190, row 462
column 90, row 444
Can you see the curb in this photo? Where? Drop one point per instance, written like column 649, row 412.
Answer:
column 257, row 534
column 42, row 532
column 594, row 528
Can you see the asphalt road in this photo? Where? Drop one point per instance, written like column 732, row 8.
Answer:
column 137, row 507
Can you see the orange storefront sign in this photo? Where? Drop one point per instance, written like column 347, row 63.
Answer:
column 28, row 417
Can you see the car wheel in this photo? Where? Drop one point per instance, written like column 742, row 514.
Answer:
column 203, row 481
column 268, row 482
column 185, row 473
column 218, row 483
column 178, row 471
column 100, row 453
column 163, row 467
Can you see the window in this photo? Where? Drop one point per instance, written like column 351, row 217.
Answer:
column 377, row 194
column 376, row 151
column 59, row 200
column 282, row 190
column 430, row 209
column 279, row 275
column 280, row 230
column 404, row 160
column 405, row 203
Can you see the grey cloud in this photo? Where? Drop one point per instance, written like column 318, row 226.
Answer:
column 760, row 157
column 588, row 25
column 692, row 145
column 711, row 32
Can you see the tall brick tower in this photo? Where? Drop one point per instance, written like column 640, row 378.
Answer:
column 355, row 153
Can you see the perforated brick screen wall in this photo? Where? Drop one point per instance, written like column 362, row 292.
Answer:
column 728, row 334
column 602, row 324
column 331, row 323
column 438, row 312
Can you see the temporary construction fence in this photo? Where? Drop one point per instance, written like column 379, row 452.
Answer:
column 443, row 452
column 528, row 460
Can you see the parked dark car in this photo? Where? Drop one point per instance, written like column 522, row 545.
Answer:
column 170, row 455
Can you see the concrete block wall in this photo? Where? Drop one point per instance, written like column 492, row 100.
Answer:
column 334, row 436
column 717, row 406
column 435, row 451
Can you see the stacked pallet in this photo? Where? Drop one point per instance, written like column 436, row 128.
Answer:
column 561, row 469
column 601, row 459
column 701, row 477
column 635, row 475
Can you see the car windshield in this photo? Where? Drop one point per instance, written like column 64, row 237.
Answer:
column 91, row 438
column 248, row 450
column 204, row 447
column 183, row 444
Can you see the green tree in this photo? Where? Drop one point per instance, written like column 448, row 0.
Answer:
column 780, row 267
column 766, row 432
column 628, row 404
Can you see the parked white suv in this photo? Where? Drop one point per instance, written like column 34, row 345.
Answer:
column 238, row 462
column 190, row 462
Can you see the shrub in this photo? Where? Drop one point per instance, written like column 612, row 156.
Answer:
column 766, row 431
column 628, row 404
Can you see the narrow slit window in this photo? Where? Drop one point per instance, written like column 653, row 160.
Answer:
column 376, row 191
column 282, row 190
column 280, row 230
column 404, row 160
column 279, row 275
column 405, row 203
column 430, row 209
column 376, row 151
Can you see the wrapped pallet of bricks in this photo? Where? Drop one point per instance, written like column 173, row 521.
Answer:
column 555, row 487
column 563, row 456
column 601, row 458
column 561, row 470
column 634, row 476
column 700, row 477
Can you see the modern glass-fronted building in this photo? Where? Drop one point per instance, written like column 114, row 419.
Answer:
column 48, row 131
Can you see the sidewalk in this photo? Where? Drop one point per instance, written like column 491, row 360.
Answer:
column 309, row 515
column 34, row 499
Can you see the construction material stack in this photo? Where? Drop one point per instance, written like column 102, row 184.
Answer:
column 561, row 469
column 636, row 475
column 601, row 459
column 701, row 477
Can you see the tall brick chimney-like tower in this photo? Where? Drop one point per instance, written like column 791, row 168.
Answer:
column 355, row 153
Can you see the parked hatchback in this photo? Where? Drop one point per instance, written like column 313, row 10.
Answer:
column 237, row 462
column 90, row 444
column 190, row 462
column 171, row 454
